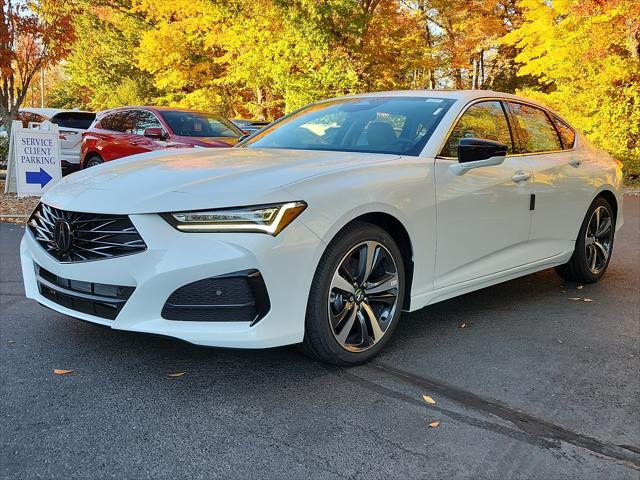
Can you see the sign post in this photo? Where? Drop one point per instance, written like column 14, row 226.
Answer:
column 34, row 159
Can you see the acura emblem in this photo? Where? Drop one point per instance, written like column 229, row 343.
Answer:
column 62, row 235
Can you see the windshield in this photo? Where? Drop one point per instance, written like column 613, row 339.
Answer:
column 195, row 124
column 396, row 125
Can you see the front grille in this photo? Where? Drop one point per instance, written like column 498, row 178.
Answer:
column 91, row 236
column 98, row 299
column 235, row 297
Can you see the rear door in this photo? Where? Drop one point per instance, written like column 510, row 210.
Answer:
column 483, row 216
column 548, row 145
column 122, row 140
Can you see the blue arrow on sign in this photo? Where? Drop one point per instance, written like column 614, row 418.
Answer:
column 40, row 177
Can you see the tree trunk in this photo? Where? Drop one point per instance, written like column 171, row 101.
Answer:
column 481, row 82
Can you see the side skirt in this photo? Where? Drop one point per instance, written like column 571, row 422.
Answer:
column 422, row 300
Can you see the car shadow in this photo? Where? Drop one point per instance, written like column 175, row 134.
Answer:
column 163, row 355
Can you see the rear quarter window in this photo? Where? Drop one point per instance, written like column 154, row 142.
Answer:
column 567, row 134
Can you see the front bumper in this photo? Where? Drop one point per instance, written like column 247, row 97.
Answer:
column 173, row 259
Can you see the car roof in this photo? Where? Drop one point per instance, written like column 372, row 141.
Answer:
column 47, row 112
column 440, row 92
column 464, row 95
column 50, row 112
column 157, row 109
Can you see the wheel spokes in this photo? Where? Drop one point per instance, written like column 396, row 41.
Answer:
column 376, row 330
column 341, row 283
column 597, row 242
column 603, row 228
column 384, row 285
column 369, row 255
column 338, row 318
column 601, row 251
column 347, row 327
column 363, row 296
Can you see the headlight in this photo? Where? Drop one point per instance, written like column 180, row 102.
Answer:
column 271, row 219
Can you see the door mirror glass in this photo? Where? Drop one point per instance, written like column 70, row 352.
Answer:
column 475, row 149
column 153, row 132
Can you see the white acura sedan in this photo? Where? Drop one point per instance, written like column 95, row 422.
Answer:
column 322, row 228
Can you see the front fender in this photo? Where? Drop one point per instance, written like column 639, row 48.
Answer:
column 403, row 189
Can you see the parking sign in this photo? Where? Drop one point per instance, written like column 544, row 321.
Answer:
column 36, row 158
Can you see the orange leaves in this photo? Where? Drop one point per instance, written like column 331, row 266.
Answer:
column 428, row 399
column 59, row 371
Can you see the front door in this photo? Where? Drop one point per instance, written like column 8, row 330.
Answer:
column 483, row 215
column 147, row 119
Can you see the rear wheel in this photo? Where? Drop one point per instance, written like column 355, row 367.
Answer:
column 356, row 297
column 92, row 161
column 594, row 245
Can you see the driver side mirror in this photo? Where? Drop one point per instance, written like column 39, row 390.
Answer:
column 155, row 133
column 478, row 152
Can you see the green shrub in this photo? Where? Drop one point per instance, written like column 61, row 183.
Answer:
column 4, row 152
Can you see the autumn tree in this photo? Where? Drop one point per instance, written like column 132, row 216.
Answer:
column 585, row 57
column 33, row 35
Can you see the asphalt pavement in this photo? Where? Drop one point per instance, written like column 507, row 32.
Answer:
column 533, row 378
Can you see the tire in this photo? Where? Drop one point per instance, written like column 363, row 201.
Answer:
column 595, row 238
column 92, row 161
column 336, row 306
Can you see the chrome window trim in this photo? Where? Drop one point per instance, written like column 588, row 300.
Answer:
column 470, row 103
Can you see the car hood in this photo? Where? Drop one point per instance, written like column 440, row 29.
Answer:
column 185, row 179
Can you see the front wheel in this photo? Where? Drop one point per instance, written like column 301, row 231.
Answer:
column 594, row 245
column 356, row 296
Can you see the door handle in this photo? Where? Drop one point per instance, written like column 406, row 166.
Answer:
column 575, row 163
column 521, row 176
column 133, row 143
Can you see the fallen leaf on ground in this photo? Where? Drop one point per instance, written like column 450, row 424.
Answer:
column 12, row 341
column 177, row 374
column 575, row 298
column 560, row 341
column 462, row 325
column 588, row 300
column 580, row 287
column 59, row 371
column 428, row 399
column 434, row 424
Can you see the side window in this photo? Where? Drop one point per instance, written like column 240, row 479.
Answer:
column 481, row 120
column 567, row 135
column 106, row 122
column 123, row 121
column 146, row 120
column 538, row 133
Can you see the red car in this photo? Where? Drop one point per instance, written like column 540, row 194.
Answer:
column 121, row 132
